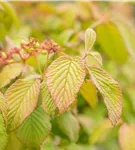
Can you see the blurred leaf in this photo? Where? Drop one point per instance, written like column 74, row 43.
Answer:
column 100, row 132
column 110, row 91
column 3, row 134
column 88, row 91
column 64, row 37
column 48, row 146
column 127, row 32
column 10, row 72
column 10, row 11
column 90, row 38
column 47, row 101
column 127, row 137
column 3, row 32
column 109, row 37
column 86, row 122
column 64, row 78
column 69, row 125
column 14, row 143
column 35, row 128
column 22, row 98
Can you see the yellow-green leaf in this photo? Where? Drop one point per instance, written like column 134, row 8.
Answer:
column 47, row 101
column 3, row 106
column 22, row 98
column 64, row 78
column 35, row 128
column 69, row 125
column 94, row 58
column 88, row 91
column 110, row 91
column 3, row 134
column 9, row 72
column 127, row 137
column 127, row 32
column 90, row 38
column 14, row 143
column 110, row 39
column 100, row 132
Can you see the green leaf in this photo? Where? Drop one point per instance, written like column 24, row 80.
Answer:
column 110, row 91
column 94, row 58
column 47, row 101
column 90, row 38
column 3, row 106
column 69, row 125
column 88, row 91
column 127, row 137
column 10, row 72
column 47, row 146
column 64, row 78
column 35, row 128
column 3, row 134
column 22, row 98
column 74, row 146
column 110, row 39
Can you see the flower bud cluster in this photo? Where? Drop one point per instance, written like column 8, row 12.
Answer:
column 29, row 48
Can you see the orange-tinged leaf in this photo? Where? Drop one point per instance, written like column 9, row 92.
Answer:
column 127, row 137
column 110, row 91
column 64, row 78
column 47, row 101
column 3, row 106
column 90, row 38
column 88, row 91
column 22, row 98
column 10, row 72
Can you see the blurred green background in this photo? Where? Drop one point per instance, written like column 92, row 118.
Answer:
column 65, row 23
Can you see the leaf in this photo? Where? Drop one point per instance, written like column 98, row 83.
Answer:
column 35, row 128
column 3, row 106
column 69, row 125
column 88, row 91
column 11, row 13
column 101, row 132
column 94, row 58
column 110, row 91
column 127, row 32
column 127, row 137
column 10, row 72
column 47, row 101
column 74, row 146
column 90, row 38
column 47, row 146
column 3, row 135
column 110, row 39
column 22, row 98
column 14, row 143
column 64, row 78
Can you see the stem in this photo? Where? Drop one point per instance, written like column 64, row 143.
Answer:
column 46, row 65
column 38, row 65
column 85, row 55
